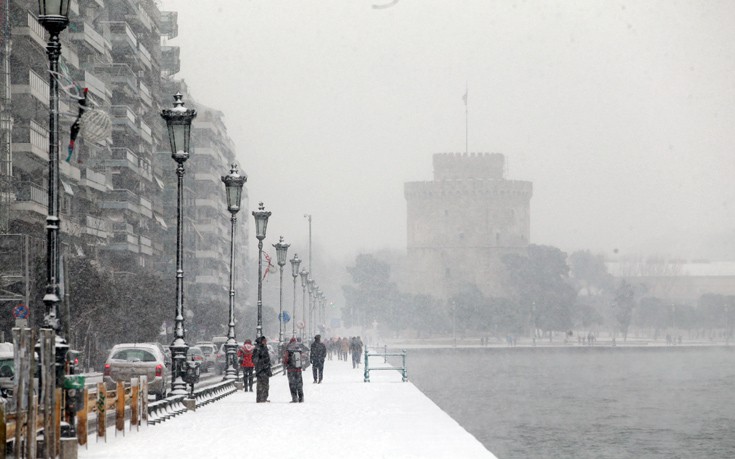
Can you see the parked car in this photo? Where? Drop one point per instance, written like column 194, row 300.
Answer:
column 196, row 354
column 166, row 353
column 210, row 355
column 7, row 369
column 131, row 360
column 220, row 359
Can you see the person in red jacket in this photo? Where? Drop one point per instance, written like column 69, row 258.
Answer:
column 245, row 357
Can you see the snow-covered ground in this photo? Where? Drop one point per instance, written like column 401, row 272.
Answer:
column 341, row 417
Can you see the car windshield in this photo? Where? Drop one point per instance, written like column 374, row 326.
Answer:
column 131, row 355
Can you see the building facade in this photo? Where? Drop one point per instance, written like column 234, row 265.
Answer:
column 118, row 193
column 460, row 224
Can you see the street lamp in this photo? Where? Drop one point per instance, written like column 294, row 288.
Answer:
column 304, row 281
column 310, row 285
column 178, row 121
column 261, row 223
column 54, row 17
column 315, row 310
column 281, row 251
column 295, row 262
column 233, row 187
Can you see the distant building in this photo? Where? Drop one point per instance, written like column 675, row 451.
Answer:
column 461, row 224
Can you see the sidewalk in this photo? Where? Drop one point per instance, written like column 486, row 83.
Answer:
column 341, row 417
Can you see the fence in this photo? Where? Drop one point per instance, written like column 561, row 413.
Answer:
column 385, row 354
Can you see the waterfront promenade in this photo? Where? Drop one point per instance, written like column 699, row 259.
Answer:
column 341, row 417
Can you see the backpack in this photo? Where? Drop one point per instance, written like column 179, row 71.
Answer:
column 294, row 359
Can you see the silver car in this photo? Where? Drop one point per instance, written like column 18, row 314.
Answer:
column 132, row 360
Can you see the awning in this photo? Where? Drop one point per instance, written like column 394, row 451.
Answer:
column 160, row 220
column 159, row 182
column 67, row 188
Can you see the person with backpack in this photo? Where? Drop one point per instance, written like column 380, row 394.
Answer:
column 245, row 357
column 316, row 357
column 292, row 360
column 263, row 370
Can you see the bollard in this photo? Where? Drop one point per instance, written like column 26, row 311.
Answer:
column 82, row 419
column 120, row 408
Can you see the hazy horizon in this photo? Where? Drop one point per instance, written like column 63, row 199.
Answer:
column 619, row 113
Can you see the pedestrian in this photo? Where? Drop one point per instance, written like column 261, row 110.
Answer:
column 316, row 357
column 345, row 347
column 292, row 361
column 263, row 370
column 245, row 357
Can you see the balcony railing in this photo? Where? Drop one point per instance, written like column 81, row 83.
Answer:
column 122, row 115
column 97, row 227
column 121, row 199
column 122, row 37
column 86, row 33
column 95, row 85
column 145, row 132
column 28, row 191
column 145, row 56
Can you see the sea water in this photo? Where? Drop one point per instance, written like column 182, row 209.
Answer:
column 587, row 401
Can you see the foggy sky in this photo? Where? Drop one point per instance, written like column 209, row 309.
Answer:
column 620, row 113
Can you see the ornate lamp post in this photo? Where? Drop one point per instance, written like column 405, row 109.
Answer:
column 295, row 262
column 54, row 17
column 304, row 281
column 311, row 286
column 317, row 302
column 261, row 223
column 178, row 121
column 281, row 251
column 233, row 187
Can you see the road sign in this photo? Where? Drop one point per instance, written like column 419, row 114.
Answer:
column 284, row 317
column 20, row 311
column 300, row 324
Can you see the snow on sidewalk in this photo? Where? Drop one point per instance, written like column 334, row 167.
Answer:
column 341, row 417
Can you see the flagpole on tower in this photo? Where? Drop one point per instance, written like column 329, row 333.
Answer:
column 466, row 120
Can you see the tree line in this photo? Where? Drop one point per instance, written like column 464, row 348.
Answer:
column 548, row 291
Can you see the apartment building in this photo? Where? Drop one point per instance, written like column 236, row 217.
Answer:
column 118, row 195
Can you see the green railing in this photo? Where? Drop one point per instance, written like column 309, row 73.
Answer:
column 385, row 354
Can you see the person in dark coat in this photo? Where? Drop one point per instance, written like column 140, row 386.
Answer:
column 316, row 356
column 245, row 356
column 292, row 361
column 263, row 370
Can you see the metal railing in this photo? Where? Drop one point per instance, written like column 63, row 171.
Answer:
column 385, row 354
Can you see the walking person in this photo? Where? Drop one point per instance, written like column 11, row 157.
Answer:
column 316, row 356
column 245, row 357
column 292, row 361
column 263, row 370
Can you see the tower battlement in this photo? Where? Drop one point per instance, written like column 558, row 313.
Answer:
column 460, row 166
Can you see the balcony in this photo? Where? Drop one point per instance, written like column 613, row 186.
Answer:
column 95, row 85
column 122, row 38
column 145, row 246
column 207, row 177
column 209, row 152
column 122, row 77
column 85, row 34
column 170, row 60
column 124, row 117
column 145, row 132
column 145, row 94
column 94, row 180
column 124, row 242
column 96, row 227
column 146, row 208
column 31, row 140
column 140, row 20
column 121, row 200
column 169, row 24
column 206, row 202
column 30, row 197
column 122, row 157
column 29, row 28
column 34, row 84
